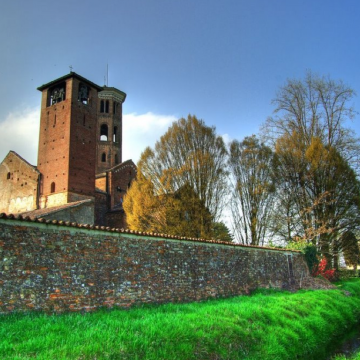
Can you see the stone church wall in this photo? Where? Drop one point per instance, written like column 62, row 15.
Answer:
column 18, row 184
column 56, row 267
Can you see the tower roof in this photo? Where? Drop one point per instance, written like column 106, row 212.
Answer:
column 70, row 75
column 111, row 92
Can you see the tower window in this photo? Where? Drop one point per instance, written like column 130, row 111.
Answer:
column 107, row 106
column 83, row 94
column 104, row 132
column 116, row 159
column 102, row 107
column 52, row 187
column 8, row 176
column 103, row 157
column 115, row 134
column 57, row 94
column 114, row 107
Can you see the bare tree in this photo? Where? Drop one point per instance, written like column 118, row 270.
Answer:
column 252, row 200
column 315, row 107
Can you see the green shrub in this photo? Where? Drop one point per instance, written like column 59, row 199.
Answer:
column 311, row 257
column 347, row 274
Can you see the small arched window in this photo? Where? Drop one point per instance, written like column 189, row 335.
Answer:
column 115, row 134
column 52, row 187
column 114, row 107
column 8, row 176
column 107, row 106
column 102, row 107
column 116, row 159
column 104, row 132
column 103, row 157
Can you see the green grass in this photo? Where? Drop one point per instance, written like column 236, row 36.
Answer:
column 266, row 325
column 355, row 357
column 343, row 357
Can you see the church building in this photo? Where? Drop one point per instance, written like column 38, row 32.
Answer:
column 80, row 176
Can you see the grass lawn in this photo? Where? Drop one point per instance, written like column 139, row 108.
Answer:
column 343, row 357
column 267, row 325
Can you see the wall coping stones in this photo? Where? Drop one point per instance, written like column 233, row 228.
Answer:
column 18, row 219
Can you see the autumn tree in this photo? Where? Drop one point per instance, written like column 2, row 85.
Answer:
column 180, row 213
column 351, row 249
column 291, row 217
column 322, row 191
column 336, row 197
column 186, row 214
column 188, row 156
column 317, row 188
column 143, row 207
column 252, row 198
column 221, row 232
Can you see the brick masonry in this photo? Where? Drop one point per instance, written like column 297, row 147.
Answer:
column 67, row 149
column 79, row 157
column 19, row 183
column 56, row 267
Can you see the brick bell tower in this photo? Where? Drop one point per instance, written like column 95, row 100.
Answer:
column 109, row 130
column 67, row 141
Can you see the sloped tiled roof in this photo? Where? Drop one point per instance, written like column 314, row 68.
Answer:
column 124, row 164
column 47, row 211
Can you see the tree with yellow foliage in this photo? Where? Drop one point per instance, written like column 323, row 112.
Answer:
column 321, row 189
column 316, row 157
column 144, row 209
column 182, row 182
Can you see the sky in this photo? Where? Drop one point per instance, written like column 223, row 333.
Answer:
column 222, row 61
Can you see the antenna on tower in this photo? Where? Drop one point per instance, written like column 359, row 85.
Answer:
column 107, row 74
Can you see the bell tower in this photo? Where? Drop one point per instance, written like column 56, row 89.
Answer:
column 109, row 129
column 67, row 149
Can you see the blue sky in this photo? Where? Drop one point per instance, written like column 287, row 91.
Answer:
column 220, row 60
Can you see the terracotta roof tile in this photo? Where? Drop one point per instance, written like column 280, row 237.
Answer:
column 20, row 217
column 47, row 211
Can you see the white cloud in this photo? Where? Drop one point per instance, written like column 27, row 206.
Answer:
column 227, row 139
column 142, row 130
column 20, row 132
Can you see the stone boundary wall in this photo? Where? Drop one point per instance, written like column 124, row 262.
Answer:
column 55, row 267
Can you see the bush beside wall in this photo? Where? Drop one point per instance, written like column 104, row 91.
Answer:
column 348, row 273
